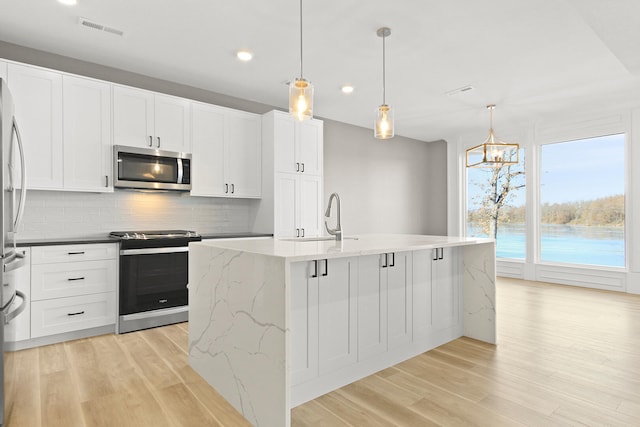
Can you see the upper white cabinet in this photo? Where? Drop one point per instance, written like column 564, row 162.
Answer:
column 227, row 152
column 87, row 134
column 298, row 145
column 37, row 95
column 147, row 119
column 292, row 176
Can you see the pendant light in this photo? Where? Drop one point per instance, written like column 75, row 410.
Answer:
column 301, row 90
column 492, row 153
column 383, row 125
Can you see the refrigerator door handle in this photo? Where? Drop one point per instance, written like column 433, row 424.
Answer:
column 15, row 261
column 15, row 313
column 23, row 179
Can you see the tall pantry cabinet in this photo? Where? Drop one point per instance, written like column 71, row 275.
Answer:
column 292, row 177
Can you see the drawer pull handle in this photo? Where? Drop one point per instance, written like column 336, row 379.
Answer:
column 71, row 279
column 163, row 301
column 75, row 314
column 75, row 253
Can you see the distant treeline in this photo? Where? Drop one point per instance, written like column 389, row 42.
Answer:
column 607, row 211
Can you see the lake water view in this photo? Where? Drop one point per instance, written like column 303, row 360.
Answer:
column 573, row 244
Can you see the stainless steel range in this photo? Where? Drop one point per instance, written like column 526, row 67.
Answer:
column 153, row 277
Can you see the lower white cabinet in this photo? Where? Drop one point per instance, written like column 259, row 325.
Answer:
column 397, row 267
column 69, row 314
column 324, row 307
column 73, row 287
column 436, row 291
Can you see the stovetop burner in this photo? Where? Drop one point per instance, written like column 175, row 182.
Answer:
column 154, row 234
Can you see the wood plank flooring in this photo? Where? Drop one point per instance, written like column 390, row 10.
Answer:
column 565, row 357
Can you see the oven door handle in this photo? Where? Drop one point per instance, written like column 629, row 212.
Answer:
column 154, row 251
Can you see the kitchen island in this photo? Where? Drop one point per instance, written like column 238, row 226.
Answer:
column 275, row 323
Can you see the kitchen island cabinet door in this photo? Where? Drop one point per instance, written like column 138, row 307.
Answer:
column 304, row 322
column 372, row 306
column 337, row 313
column 445, row 283
column 37, row 95
column 399, row 298
column 422, row 295
column 87, row 135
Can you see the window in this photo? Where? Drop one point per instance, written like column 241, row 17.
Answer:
column 496, row 207
column 582, row 188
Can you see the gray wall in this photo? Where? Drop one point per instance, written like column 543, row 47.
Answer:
column 386, row 186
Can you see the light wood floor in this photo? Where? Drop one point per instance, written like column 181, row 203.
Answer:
column 565, row 356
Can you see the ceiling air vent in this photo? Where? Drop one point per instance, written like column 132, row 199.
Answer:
column 463, row 89
column 100, row 27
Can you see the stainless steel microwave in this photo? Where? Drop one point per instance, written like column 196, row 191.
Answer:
column 146, row 168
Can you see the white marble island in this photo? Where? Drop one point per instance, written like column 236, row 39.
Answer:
column 274, row 323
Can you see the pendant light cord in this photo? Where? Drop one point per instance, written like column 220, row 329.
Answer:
column 384, row 78
column 301, row 39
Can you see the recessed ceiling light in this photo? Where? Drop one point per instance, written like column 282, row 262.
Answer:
column 68, row 2
column 346, row 89
column 244, row 55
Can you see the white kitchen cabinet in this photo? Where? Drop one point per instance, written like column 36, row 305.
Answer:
column 399, row 278
column 292, row 177
column 384, row 303
column 227, row 159
column 298, row 145
column 37, row 95
column 445, row 287
column 436, row 291
column 88, row 156
column 324, row 306
column 299, row 201
column 150, row 120
column 73, row 287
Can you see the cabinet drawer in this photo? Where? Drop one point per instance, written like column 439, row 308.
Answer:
column 71, row 253
column 61, row 315
column 72, row 279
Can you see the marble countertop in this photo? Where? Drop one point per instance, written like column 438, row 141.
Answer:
column 368, row 244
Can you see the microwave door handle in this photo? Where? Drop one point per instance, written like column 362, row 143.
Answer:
column 23, row 178
column 180, row 171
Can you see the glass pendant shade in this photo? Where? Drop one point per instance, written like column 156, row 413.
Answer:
column 492, row 153
column 301, row 99
column 383, row 126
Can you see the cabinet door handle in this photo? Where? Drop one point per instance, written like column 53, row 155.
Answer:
column 71, row 279
column 158, row 141
column 315, row 268
column 393, row 259
column 302, row 167
column 150, row 141
column 233, row 188
column 302, row 235
column 297, row 232
column 441, row 253
column 326, row 268
column 384, row 263
column 435, row 254
column 226, row 188
column 106, row 180
column 76, row 313
column 297, row 167
column 75, row 253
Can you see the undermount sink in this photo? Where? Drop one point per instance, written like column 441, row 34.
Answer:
column 316, row 239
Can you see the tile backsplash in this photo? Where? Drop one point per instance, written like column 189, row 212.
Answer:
column 57, row 214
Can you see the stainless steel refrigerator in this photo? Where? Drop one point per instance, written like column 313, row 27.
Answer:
column 13, row 184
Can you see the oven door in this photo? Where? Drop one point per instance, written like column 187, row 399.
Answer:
column 153, row 278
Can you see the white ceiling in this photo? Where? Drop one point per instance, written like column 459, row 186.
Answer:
column 535, row 59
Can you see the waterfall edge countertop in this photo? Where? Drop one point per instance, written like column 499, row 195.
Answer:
column 368, row 244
